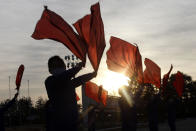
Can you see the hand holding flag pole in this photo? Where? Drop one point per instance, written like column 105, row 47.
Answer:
column 19, row 76
column 98, row 94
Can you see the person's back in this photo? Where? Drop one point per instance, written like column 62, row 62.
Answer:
column 60, row 91
column 171, row 108
column 128, row 113
column 63, row 100
column 153, row 113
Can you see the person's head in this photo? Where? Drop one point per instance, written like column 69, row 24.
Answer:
column 55, row 62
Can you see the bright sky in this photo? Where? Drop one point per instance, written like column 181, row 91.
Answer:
column 164, row 31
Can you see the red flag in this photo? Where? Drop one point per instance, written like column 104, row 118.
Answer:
column 139, row 67
column 83, row 26
column 166, row 77
column 179, row 83
column 52, row 26
column 91, row 29
column 96, row 93
column 125, row 58
column 19, row 76
column 77, row 97
column 152, row 73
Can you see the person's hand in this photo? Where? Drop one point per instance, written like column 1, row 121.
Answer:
column 81, row 64
column 100, row 92
column 16, row 95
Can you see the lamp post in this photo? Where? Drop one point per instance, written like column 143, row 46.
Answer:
column 71, row 61
column 28, row 88
column 9, row 89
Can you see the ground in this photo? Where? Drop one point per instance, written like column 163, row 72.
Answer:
column 188, row 124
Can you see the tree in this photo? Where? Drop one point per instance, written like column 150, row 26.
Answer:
column 40, row 109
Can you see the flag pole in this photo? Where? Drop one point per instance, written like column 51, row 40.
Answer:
column 45, row 4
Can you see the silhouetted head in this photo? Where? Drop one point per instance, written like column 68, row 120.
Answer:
column 54, row 63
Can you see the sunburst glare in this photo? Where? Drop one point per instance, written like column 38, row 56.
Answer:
column 113, row 81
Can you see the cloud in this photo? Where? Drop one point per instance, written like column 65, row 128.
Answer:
column 164, row 30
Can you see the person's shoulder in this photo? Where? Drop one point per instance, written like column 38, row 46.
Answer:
column 49, row 79
column 64, row 75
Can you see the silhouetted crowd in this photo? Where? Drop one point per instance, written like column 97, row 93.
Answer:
column 129, row 103
column 62, row 112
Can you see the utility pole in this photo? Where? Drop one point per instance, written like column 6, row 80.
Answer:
column 28, row 88
column 9, row 89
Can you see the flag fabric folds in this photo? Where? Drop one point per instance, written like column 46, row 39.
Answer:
column 166, row 77
column 139, row 67
column 152, row 73
column 52, row 26
column 125, row 58
column 19, row 76
column 179, row 83
column 83, row 26
column 97, row 93
column 91, row 29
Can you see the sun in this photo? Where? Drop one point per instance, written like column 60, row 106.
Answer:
column 113, row 81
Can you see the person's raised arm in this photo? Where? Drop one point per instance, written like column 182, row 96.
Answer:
column 82, row 79
column 73, row 71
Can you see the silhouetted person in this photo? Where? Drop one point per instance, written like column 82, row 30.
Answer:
column 49, row 115
column 171, row 108
column 4, row 109
column 128, row 111
column 153, row 112
column 91, row 119
column 60, row 86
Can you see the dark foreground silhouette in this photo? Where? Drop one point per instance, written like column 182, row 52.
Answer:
column 62, row 111
column 4, row 109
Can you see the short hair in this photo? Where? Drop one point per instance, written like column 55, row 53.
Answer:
column 55, row 62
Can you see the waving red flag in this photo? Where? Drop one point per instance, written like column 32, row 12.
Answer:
column 139, row 67
column 77, row 97
column 52, row 26
column 179, row 83
column 96, row 93
column 166, row 77
column 83, row 27
column 19, row 76
column 152, row 73
column 91, row 29
column 125, row 58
